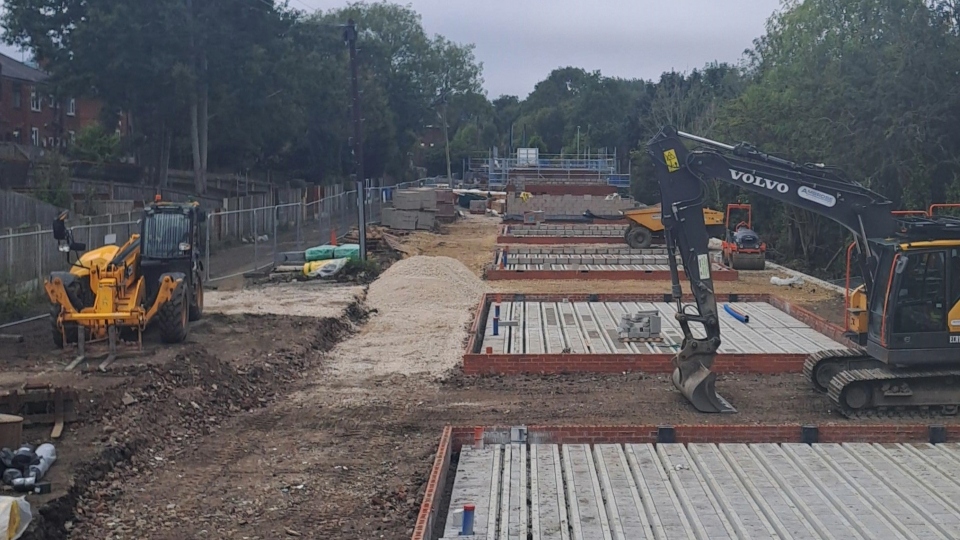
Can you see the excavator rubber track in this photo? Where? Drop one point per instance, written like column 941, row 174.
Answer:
column 882, row 392
column 820, row 367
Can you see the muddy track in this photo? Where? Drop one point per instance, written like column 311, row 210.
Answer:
column 188, row 397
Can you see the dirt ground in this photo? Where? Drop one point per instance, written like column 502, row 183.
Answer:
column 254, row 429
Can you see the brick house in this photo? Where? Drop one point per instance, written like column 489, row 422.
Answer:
column 31, row 116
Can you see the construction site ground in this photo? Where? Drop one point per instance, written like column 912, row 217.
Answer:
column 314, row 410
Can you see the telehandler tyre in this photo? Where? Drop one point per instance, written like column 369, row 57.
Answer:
column 70, row 328
column 639, row 237
column 173, row 316
column 196, row 299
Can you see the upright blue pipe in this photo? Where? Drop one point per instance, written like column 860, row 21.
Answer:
column 467, row 528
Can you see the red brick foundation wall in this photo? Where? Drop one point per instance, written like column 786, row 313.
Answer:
column 431, row 505
column 816, row 322
column 548, row 364
column 697, row 433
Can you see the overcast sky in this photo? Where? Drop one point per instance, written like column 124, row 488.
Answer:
column 520, row 41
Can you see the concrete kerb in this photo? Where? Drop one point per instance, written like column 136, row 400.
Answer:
column 453, row 438
column 479, row 362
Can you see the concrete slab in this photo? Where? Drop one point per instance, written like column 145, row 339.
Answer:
column 591, row 328
column 590, row 261
column 608, row 264
column 567, row 229
column 709, row 491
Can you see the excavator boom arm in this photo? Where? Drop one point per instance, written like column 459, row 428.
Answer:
column 682, row 174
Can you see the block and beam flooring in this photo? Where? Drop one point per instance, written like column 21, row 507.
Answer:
column 708, row 491
column 586, row 262
column 562, row 233
column 555, row 327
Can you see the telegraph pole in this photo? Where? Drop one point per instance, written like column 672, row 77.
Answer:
column 350, row 37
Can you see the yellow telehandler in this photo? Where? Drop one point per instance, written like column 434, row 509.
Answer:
column 114, row 292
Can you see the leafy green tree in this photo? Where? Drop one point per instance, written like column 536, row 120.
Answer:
column 94, row 144
column 868, row 86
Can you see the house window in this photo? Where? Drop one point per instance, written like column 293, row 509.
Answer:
column 35, row 136
column 53, row 103
column 35, row 100
column 73, row 136
column 72, row 107
column 17, row 89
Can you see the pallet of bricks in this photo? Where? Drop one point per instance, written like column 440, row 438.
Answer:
column 419, row 208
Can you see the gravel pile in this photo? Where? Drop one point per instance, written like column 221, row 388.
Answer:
column 425, row 305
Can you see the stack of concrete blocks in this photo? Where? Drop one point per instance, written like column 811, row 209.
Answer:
column 446, row 212
column 639, row 325
column 478, row 206
column 568, row 205
column 414, row 208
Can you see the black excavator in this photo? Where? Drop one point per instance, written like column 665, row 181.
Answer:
column 903, row 322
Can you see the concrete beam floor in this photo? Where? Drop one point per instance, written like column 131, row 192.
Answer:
column 572, row 229
column 708, row 491
column 591, row 328
column 614, row 263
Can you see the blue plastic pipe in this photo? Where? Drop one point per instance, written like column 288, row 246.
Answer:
column 467, row 528
column 736, row 314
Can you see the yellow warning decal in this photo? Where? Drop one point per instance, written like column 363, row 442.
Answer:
column 670, row 156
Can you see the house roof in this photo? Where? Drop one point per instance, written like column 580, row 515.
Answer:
column 14, row 69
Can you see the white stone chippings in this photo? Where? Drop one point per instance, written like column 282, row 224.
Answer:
column 424, row 308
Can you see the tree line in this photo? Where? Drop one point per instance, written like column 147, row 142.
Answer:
column 248, row 84
column 866, row 85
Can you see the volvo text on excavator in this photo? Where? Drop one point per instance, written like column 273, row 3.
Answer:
column 903, row 322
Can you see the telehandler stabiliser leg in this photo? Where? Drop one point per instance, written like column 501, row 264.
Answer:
column 81, row 355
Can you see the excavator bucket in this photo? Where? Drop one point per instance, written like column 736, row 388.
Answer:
column 698, row 384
